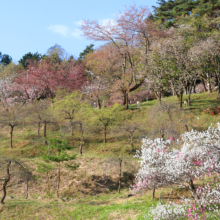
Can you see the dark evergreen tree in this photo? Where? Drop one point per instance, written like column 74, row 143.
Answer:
column 86, row 51
column 168, row 12
column 209, row 7
column 29, row 56
column 5, row 59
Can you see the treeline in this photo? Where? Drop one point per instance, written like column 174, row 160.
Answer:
column 139, row 53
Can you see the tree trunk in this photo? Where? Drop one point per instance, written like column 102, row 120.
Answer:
column 125, row 100
column 186, row 90
column 58, row 181
column 119, row 179
column 203, row 83
column 11, row 135
column 186, row 126
column 26, row 190
column 189, row 96
column 48, row 186
column 218, row 97
column 99, row 106
column 153, row 192
column 193, row 189
column 45, row 132
column 71, row 127
column 216, row 83
column 180, row 97
column 82, row 140
column 105, row 131
column 7, row 179
column 23, row 124
column 132, row 137
column 173, row 91
column 181, row 100
column 209, row 87
column 158, row 95
column 194, row 86
column 38, row 129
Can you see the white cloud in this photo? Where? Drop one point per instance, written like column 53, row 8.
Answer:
column 67, row 32
column 59, row 29
column 77, row 33
column 78, row 23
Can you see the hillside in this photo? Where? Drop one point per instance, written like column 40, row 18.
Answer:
column 89, row 184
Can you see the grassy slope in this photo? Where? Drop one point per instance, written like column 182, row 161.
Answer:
column 91, row 190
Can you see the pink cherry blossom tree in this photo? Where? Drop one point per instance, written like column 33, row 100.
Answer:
column 42, row 79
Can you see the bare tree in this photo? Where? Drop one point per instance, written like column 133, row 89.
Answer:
column 6, row 180
column 164, row 120
column 80, row 125
column 19, row 171
column 41, row 113
column 12, row 116
column 129, row 128
column 106, row 117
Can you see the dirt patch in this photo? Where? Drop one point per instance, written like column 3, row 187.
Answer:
column 130, row 214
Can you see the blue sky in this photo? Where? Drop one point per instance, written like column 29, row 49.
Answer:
column 34, row 26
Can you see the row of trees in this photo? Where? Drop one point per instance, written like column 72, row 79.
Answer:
column 141, row 55
column 66, row 109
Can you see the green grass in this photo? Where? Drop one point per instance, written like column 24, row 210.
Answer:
column 104, row 205
column 90, row 207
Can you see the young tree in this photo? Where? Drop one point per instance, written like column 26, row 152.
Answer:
column 40, row 112
column 129, row 128
column 45, row 167
column 69, row 106
column 105, row 117
column 25, row 174
column 12, row 116
column 58, row 154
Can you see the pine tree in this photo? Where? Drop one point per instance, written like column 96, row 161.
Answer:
column 169, row 12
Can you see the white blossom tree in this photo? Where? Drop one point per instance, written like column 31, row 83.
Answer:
column 160, row 165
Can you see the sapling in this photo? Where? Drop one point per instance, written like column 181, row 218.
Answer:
column 45, row 167
column 58, row 154
column 106, row 117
